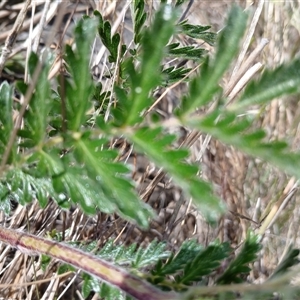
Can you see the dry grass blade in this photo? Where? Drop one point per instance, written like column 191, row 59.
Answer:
column 249, row 36
column 245, row 66
column 10, row 40
column 271, row 214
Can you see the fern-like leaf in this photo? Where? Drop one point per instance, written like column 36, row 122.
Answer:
column 156, row 144
column 203, row 88
column 239, row 266
column 143, row 80
column 79, row 90
column 284, row 80
column 139, row 19
column 233, row 130
column 188, row 52
column 204, row 263
column 132, row 256
column 23, row 188
column 111, row 42
column 6, row 118
column 173, row 74
column 198, row 32
column 290, row 259
column 107, row 177
column 177, row 262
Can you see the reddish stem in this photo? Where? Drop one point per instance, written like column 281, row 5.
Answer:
column 91, row 264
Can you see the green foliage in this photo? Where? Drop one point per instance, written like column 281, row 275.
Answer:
column 231, row 129
column 239, row 266
column 175, row 263
column 173, row 161
column 188, row 52
column 6, row 114
column 63, row 151
column 290, row 259
column 205, row 86
column 37, row 115
column 173, row 74
column 104, row 290
column 133, row 257
column 110, row 178
column 111, row 42
column 79, row 90
column 198, row 32
column 139, row 19
column 23, row 187
column 191, row 263
column 143, row 80
column 284, row 80
column 204, row 263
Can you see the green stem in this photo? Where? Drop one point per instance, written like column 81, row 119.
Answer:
column 93, row 265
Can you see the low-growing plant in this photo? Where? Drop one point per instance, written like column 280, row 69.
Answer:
column 59, row 146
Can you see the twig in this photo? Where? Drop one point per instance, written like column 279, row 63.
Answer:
column 183, row 16
column 243, row 81
column 41, row 26
column 246, row 65
column 93, row 265
column 10, row 40
column 272, row 216
column 248, row 37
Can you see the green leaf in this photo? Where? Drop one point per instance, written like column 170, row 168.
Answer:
column 139, row 19
column 173, row 74
column 111, row 178
column 290, row 259
column 198, row 32
column 156, row 144
column 239, row 266
column 45, row 260
column 150, row 255
column 111, row 42
column 132, row 256
column 79, row 90
column 284, row 80
column 24, row 188
column 204, row 87
column 175, row 263
column 231, row 131
column 120, row 254
column 6, row 120
column 36, row 116
column 81, row 189
column 111, row 293
column 6, row 108
column 4, row 198
column 48, row 163
column 188, row 52
column 144, row 80
column 205, row 262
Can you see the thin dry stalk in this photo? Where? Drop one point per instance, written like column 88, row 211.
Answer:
column 246, row 65
column 249, row 36
column 10, row 40
column 243, row 81
column 272, row 216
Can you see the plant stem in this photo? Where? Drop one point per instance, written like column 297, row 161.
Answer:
column 93, row 265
